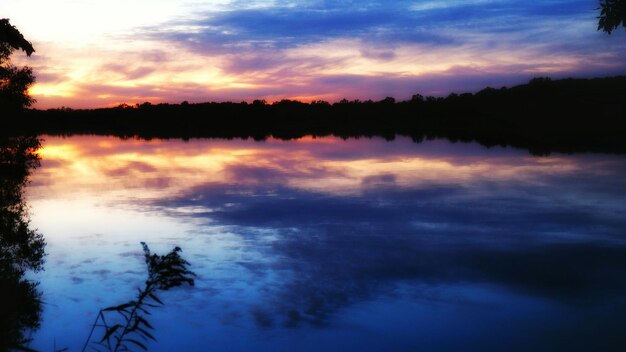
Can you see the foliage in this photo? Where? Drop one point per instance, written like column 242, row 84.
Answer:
column 612, row 15
column 13, row 38
column 132, row 328
column 14, row 81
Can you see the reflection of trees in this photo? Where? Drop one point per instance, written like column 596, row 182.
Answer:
column 21, row 248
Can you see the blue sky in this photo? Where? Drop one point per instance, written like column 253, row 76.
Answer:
column 92, row 53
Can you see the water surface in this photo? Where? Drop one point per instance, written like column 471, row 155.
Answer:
column 334, row 245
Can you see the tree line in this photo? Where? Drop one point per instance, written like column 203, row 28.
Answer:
column 544, row 115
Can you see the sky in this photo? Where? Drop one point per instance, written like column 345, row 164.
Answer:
column 103, row 53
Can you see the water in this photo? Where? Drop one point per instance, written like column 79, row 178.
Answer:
column 332, row 245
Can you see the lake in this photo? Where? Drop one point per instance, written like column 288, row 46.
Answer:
column 324, row 244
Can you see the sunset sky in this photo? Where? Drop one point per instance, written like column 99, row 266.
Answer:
column 102, row 53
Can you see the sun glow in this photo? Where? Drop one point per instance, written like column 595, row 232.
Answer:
column 65, row 90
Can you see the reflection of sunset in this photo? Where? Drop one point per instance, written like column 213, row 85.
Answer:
column 166, row 167
column 59, row 152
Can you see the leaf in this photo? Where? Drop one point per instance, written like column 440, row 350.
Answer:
column 124, row 313
column 145, row 322
column 154, row 297
column 138, row 344
column 110, row 332
column 146, row 333
column 120, row 307
column 140, row 308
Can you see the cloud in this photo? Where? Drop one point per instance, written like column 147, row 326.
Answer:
column 304, row 48
column 127, row 72
column 279, row 28
column 399, row 22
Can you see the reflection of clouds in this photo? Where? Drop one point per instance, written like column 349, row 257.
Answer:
column 348, row 248
column 130, row 168
column 332, row 271
column 379, row 181
column 480, row 211
column 290, row 234
column 357, row 192
column 248, row 174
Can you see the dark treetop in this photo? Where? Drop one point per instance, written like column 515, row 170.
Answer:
column 612, row 15
column 14, row 81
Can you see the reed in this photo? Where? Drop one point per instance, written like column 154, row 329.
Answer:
column 126, row 325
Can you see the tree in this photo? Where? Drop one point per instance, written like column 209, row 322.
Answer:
column 14, row 81
column 612, row 15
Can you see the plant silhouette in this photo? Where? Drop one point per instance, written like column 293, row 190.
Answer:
column 612, row 15
column 14, row 81
column 21, row 248
column 132, row 329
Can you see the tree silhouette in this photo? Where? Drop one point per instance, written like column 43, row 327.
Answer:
column 14, row 81
column 612, row 15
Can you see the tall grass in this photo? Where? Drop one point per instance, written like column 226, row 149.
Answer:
column 126, row 326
